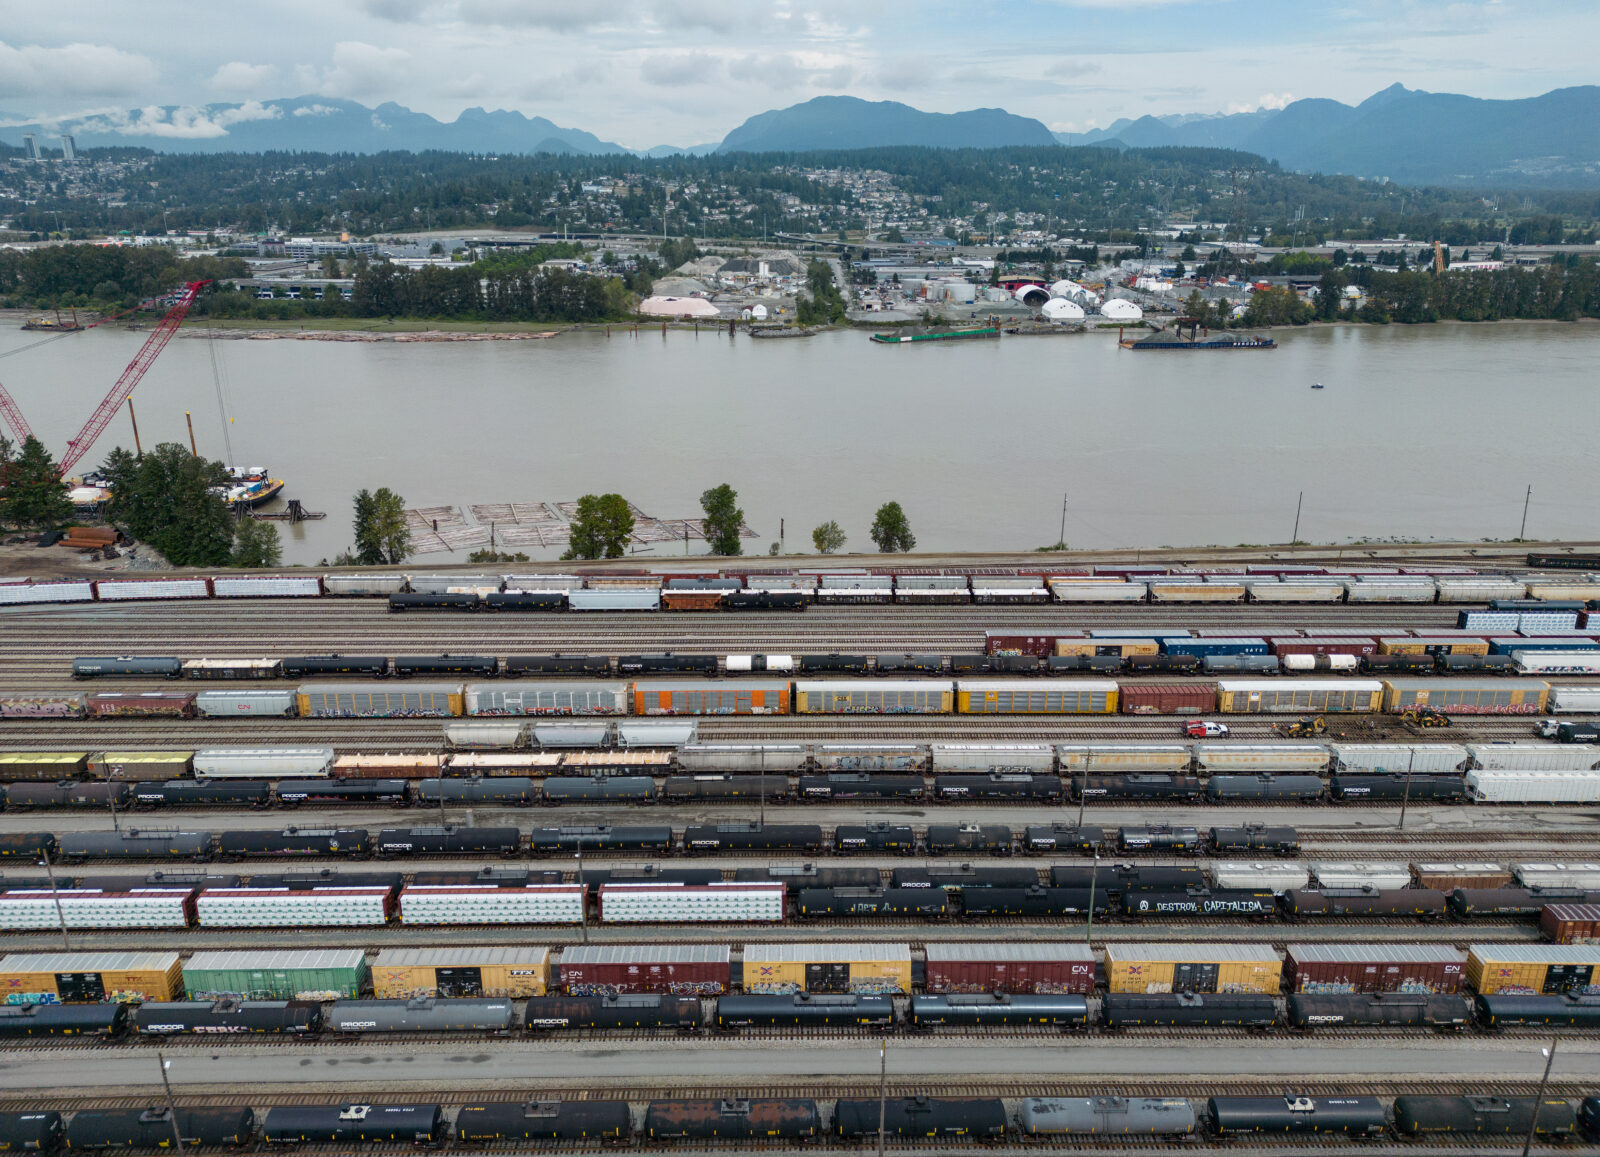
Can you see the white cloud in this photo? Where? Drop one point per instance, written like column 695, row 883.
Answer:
column 365, row 70
column 905, row 73
column 1266, row 101
column 237, row 77
column 182, row 123
column 73, row 70
column 557, row 15
column 315, row 110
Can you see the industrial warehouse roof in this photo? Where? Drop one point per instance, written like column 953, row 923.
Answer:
column 1009, row 952
column 88, row 961
column 646, row 954
column 801, row 953
column 277, row 961
column 461, row 957
column 1363, row 953
column 1192, row 953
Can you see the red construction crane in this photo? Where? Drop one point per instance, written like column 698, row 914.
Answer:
column 101, row 418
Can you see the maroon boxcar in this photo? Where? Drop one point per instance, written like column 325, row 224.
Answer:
column 1375, row 968
column 1167, row 698
column 1325, row 645
column 679, row 969
column 988, row 967
column 169, row 704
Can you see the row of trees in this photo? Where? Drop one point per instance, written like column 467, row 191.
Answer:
column 107, row 275
column 890, row 532
column 603, row 524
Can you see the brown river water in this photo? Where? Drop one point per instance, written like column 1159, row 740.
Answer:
column 1424, row 432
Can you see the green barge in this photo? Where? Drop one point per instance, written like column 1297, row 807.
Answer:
column 936, row 335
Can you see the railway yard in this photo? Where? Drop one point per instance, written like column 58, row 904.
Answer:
column 737, row 935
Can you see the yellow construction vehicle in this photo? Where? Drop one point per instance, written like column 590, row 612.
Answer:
column 1425, row 717
column 1305, row 728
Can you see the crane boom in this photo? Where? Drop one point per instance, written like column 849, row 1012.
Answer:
column 8, row 407
column 153, row 345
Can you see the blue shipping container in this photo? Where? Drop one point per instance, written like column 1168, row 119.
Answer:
column 1184, row 645
column 1560, row 643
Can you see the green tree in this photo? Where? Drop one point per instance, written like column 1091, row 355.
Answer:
column 256, row 544
column 828, row 537
column 894, row 236
column 382, row 536
column 496, row 556
column 31, row 491
column 891, row 530
column 723, row 519
column 601, row 528
column 169, row 500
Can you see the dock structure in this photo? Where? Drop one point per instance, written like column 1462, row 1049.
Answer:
column 438, row 529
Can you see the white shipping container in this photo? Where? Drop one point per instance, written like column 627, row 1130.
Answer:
column 259, row 762
column 265, row 587
column 1534, row 786
column 286, row 908
column 543, row 582
column 614, row 600
column 1564, row 589
column 805, row 584
column 475, row 904
column 547, row 697
column 706, row 903
column 742, row 757
column 990, row 756
column 1399, row 757
column 1368, row 874
column 746, row 663
column 1296, row 591
column 1098, row 592
column 438, row 584
column 1557, row 662
column 1532, row 756
column 1243, row 874
column 363, row 584
column 1231, row 757
column 1575, row 698
column 937, row 582
column 992, row 591
column 1478, row 589
column 152, row 589
column 92, row 908
column 486, row 735
column 1164, row 591
column 16, row 593
column 1109, row 758
column 1395, row 590
column 856, row 582
column 268, row 703
column 1584, row 876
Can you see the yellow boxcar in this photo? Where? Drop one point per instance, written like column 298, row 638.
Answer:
column 873, row 697
column 492, row 971
column 90, row 977
column 866, row 968
column 1157, row 968
column 1431, row 645
column 1298, row 696
column 1532, row 968
column 1123, row 647
column 1467, row 696
column 1036, row 697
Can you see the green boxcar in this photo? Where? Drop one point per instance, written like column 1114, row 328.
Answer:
column 314, row 974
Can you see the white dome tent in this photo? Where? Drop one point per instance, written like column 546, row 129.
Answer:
column 1034, row 295
column 1120, row 309
column 1059, row 310
column 677, row 307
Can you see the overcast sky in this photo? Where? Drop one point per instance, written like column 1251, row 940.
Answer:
column 648, row 72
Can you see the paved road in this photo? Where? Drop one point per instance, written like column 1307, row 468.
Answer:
column 741, row 1063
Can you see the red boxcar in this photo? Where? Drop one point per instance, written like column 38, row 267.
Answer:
column 679, row 969
column 1034, row 968
column 1168, row 698
column 1375, row 968
column 174, row 704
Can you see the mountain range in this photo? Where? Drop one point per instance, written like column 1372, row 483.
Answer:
column 1399, row 133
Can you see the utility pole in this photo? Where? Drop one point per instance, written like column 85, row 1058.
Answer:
column 61, row 917
column 189, row 418
column 1295, row 537
column 1083, row 787
column 1411, row 762
column 138, row 450
column 883, row 1090
column 1061, row 539
column 1538, row 1101
column 1523, row 533
column 583, row 900
column 172, row 1109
